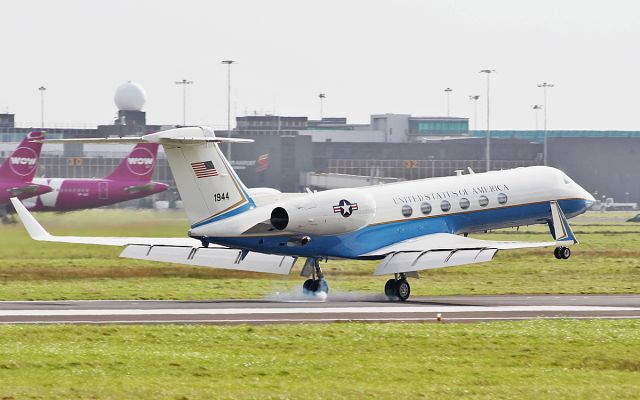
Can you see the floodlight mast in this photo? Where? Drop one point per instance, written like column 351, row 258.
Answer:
column 448, row 92
column 488, row 146
column 536, row 108
column 321, row 96
column 475, row 98
column 184, row 84
column 544, row 86
column 228, row 62
column 42, row 90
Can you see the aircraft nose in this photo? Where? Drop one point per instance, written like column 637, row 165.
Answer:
column 588, row 199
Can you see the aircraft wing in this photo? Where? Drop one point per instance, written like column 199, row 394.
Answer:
column 441, row 250
column 174, row 250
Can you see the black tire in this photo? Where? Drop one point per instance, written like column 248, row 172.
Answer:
column 390, row 288
column 565, row 253
column 556, row 252
column 403, row 289
column 307, row 286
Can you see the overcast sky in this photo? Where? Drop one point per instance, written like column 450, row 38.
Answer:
column 367, row 56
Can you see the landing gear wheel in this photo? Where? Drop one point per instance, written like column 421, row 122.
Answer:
column 390, row 288
column 565, row 253
column 403, row 289
column 317, row 283
column 307, row 286
column 556, row 252
column 312, row 286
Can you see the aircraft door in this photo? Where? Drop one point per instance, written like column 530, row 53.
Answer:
column 103, row 190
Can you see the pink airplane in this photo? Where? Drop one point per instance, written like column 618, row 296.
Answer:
column 130, row 180
column 17, row 171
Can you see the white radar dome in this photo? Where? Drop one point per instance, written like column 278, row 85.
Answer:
column 130, row 96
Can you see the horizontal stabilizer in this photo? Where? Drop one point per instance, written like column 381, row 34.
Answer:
column 37, row 232
column 149, row 139
column 213, row 257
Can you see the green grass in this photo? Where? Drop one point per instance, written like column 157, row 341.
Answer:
column 504, row 360
column 606, row 261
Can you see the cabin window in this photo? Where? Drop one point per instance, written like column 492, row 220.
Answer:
column 483, row 201
column 425, row 208
column 407, row 210
column 464, row 203
column 445, row 205
column 502, row 198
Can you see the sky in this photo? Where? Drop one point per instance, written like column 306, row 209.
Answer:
column 368, row 57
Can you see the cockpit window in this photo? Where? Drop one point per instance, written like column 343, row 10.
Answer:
column 566, row 179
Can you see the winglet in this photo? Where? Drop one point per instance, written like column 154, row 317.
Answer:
column 559, row 225
column 35, row 230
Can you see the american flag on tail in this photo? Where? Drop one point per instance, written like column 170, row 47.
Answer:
column 204, row 169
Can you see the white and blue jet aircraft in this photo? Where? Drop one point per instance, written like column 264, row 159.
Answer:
column 408, row 226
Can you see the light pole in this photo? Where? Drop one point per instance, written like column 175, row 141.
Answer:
column 228, row 62
column 544, row 86
column 536, row 108
column 321, row 96
column 184, row 84
column 42, row 90
column 488, row 147
column 448, row 92
column 475, row 98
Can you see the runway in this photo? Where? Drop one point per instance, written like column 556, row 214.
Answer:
column 419, row 309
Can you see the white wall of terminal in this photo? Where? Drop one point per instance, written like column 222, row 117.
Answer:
column 384, row 128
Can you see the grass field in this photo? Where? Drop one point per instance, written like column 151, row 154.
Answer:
column 541, row 359
column 606, row 261
column 503, row 360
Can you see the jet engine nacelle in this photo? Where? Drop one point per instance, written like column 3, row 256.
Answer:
column 325, row 213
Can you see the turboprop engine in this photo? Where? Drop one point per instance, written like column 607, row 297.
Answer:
column 325, row 213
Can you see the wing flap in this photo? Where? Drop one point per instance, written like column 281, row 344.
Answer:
column 213, row 258
column 413, row 261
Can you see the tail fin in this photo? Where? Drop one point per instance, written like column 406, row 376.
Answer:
column 22, row 164
column 208, row 186
column 138, row 165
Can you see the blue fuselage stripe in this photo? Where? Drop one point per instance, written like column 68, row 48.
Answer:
column 373, row 237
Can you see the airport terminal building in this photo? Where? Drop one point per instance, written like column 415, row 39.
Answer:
column 292, row 153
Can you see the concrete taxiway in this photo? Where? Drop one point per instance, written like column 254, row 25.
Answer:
column 419, row 309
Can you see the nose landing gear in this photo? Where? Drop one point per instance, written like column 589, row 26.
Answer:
column 562, row 253
column 398, row 287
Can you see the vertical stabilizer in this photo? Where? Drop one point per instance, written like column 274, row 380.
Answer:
column 138, row 165
column 208, row 186
column 23, row 162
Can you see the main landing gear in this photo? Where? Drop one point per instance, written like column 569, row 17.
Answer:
column 398, row 287
column 562, row 253
column 317, row 284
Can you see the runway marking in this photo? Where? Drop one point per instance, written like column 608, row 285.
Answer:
column 310, row 320
column 307, row 310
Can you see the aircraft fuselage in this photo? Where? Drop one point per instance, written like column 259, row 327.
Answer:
column 457, row 204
